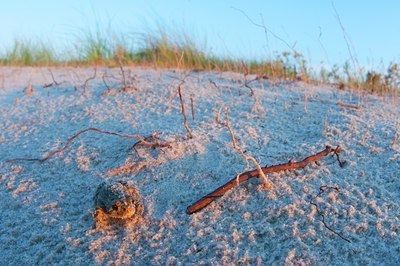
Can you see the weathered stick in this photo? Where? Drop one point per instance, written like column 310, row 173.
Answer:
column 349, row 105
column 69, row 141
column 219, row 192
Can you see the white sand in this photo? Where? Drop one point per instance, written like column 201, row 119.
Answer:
column 46, row 208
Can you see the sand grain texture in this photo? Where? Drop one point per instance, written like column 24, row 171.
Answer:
column 47, row 208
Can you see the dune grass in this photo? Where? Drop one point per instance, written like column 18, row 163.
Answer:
column 161, row 48
column 29, row 53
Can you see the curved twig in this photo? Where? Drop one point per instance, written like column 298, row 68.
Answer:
column 219, row 192
column 69, row 141
column 322, row 190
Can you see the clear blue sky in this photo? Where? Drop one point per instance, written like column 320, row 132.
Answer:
column 373, row 25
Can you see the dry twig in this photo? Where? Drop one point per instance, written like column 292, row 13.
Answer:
column 192, row 105
column 321, row 191
column 89, row 79
column 104, row 81
column 245, row 156
column 69, row 141
column 54, row 83
column 185, row 123
column 219, row 192
column 349, row 105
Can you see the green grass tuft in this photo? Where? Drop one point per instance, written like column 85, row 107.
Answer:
column 29, row 53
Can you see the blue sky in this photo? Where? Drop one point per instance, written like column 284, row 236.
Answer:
column 372, row 25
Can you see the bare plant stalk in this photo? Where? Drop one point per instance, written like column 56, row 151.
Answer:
column 125, row 87
column 352, row 54
column 104, row 81
column 192, row 105
column 185, row 123
column 246, row 84
column 245, row 156
column 305, row 101
column 70, row 140
column 219, row 192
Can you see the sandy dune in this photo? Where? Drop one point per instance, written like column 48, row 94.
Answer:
column 47, row 207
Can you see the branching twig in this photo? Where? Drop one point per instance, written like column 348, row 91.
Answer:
column 153, row 138
column 247, row 84
column 322, row 190
column 69, row 141
column 219, row 192
column 54, row 83
column 245, row 156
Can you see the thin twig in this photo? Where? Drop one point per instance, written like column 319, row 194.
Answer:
column 104, row 81
column 219, row 192
column 192, row 105
column 153, row 138
column 54, row 83
column 245, row 156
column 69, row 141
column 291, row 47
column 337, row 152
column 125, row 87
column 322, row 189
column 247, row 84
column 185, row 123
column 90, row 78
column 348, row 105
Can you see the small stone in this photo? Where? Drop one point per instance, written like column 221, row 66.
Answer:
column 117, row 203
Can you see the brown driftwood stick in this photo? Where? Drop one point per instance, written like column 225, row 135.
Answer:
column 69, row 141
column 219, row 192
column 348, row 105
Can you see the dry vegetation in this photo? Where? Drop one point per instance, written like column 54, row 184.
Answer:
column 161, row 49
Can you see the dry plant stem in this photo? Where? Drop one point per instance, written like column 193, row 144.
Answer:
column 185, row 123
column 125, row 87
column 246, row 84
column 245, row 156
column 192, row 105
column 69, row 141
column 153, row 138
column 219, row 192
column 54, row 83
column 349, row 106
column 104, row 81
column 89, row 79
column 322, row 190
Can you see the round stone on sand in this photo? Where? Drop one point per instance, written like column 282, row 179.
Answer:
column 117, row 203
